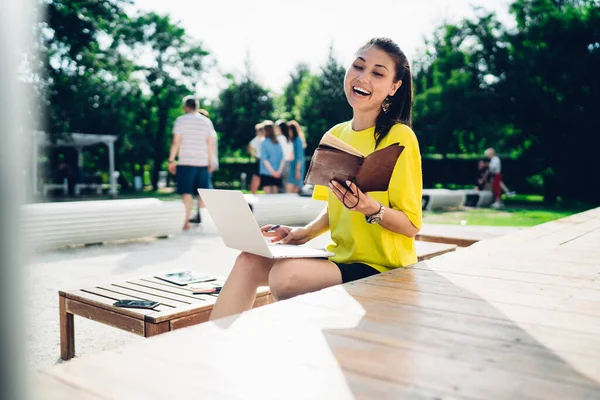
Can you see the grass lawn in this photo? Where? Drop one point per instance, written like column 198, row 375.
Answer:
column 486, row 216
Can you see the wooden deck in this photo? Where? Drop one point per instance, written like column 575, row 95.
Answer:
column 514, row 317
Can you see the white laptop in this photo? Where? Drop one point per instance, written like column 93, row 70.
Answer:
column 239, row 230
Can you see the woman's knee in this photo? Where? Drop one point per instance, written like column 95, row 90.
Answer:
column 252, row 266
column 283, row 280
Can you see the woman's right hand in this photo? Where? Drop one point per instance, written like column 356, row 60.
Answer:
column 287, row 235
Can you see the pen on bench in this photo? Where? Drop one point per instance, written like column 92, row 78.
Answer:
column 271, row 229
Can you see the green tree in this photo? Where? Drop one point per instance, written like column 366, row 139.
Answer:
column 85, row 82
column 292, row 90
column 553, row 84
column 457, row 108
column 241, row 106
column 176, row 67
column 321, row 102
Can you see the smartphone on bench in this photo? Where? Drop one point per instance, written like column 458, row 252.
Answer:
column 147, row 304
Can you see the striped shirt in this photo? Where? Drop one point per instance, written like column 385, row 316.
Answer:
column 194, row 129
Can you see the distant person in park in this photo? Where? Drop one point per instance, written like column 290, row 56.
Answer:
column 193, row 142
column 215, row 158
column 254, row 151
column 498, row 185
column 272, row 161
column 298, row 163
column 483, row 175
column 377, row 233
column 283, row 136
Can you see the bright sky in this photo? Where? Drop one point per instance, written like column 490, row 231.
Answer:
column 277, row 35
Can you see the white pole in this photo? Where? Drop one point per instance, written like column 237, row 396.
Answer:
column 111, row 168
column 79, row 157
column 34, row 166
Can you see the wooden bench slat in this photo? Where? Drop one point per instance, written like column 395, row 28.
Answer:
column 426, row 250
column 119, row 296
column 111, row 318
column 138, row 294
column 567, row 300
column 105, row 303
column 172, row 297
column 183, row 294
column 219, row 281
column 520, row 313
column 47, row 387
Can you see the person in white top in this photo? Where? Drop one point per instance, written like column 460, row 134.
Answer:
column 496, row 170
column 283, row 136
column 193, row 141
column 254, row 150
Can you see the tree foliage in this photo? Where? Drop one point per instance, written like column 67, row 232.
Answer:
column 240, row 107
column 321, row 103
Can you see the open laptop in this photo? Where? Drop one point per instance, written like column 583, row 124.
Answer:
column 238, row 227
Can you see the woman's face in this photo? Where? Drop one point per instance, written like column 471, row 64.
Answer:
column 370, row 79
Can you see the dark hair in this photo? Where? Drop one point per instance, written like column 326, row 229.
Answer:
column 284, row 128
column 191, row 104
column 296, row 131
column 400, row 107
column 269, row 128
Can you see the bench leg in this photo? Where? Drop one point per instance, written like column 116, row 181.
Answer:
column 151, row 329
column 67, row 330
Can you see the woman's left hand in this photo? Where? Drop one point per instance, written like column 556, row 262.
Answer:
column 354, row 199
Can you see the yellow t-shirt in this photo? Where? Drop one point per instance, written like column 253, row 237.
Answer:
column 355, row 240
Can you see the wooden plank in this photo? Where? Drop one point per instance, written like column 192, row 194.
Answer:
column 193, row 319
column 181, row 294
column 106, row 303
column 46, row 387
column 189, row 320
column 474, row 306
column 67, row 330
column 426, row 250
column 275, row 334
column 107, row 317
column 183, row 311
column 493, row 290
column 122, row 290
column 151, row 329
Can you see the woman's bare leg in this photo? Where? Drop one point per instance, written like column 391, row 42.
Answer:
column 254, row 184
column 239, row 292
column 292, row 277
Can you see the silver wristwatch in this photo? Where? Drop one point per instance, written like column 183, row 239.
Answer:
column 377, row 217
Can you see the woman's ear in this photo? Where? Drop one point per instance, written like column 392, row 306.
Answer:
column 395, row 88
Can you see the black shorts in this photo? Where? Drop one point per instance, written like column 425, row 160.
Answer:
column 190, row 179
column 354, row 271
column 268, row 180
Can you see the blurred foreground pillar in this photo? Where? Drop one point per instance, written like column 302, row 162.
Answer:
column 16, row 25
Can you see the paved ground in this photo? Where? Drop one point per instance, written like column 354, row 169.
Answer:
column 199, row 249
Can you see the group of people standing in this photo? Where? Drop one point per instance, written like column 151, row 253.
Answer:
column 279, row 151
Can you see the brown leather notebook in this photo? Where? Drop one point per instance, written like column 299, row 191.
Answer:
column 332, row 161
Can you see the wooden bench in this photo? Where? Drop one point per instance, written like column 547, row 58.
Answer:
column 513, row 317
column 458, row 235
column 179, row 308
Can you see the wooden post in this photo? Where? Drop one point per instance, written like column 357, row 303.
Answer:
column 67, row 330
column 151, row 329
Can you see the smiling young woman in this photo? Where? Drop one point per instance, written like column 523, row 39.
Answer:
column 375, row 235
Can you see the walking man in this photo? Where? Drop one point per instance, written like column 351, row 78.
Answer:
column 193, row 141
